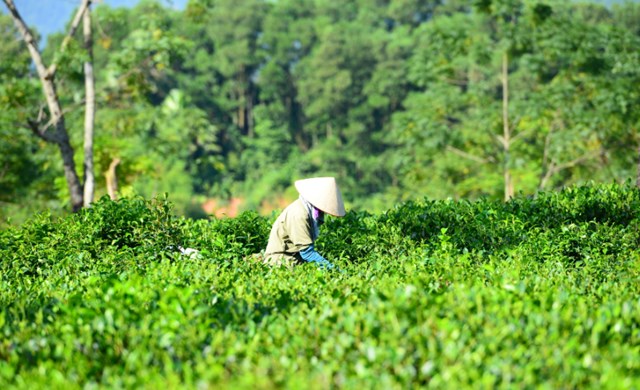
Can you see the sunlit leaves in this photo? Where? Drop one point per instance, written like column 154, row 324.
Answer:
column 533, row 292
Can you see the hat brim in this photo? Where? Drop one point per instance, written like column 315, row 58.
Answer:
column 323, row 193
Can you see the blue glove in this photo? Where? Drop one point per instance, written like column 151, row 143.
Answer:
column 310, row 255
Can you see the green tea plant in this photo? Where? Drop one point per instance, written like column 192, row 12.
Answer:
column 534, row 292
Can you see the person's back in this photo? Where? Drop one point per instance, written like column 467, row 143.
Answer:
column 289, row 235
column 294, row 232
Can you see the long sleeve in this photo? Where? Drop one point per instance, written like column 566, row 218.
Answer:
column 312, row 256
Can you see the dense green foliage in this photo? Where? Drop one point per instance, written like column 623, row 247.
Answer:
column 532, row 292
column 398, row 99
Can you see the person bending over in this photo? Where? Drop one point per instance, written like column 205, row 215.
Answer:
column 296, row 229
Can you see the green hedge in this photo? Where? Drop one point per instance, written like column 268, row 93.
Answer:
column 534, row 292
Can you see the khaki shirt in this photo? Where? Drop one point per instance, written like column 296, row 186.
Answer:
column 290, row 234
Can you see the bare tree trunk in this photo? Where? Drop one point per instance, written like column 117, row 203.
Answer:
column 638, row 174
column 90, row 109
column 112, row 179
column 506, row 136
column 73, row 182
column 241, row 117
column 250, row 124
column 59, row 134
column 295, row 124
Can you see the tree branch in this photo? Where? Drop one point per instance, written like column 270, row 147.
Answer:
column 4, row 171
column 40, row 130
column 60, row 135
column 468, row 155
column 40, row 113
column 72, row 30
column 576, row 161
column 555, row 168
column 28, row 38
column 31, row 42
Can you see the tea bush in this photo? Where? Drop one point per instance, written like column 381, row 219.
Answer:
column 534, row 292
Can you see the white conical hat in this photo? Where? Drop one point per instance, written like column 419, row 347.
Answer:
column 323, row 193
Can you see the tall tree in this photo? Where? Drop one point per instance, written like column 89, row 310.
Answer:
column 288, row 37
column 489, row 94
column 234, row 28
column 503, row 18
column 54, row 130
column 19, row 171
column 90, row 110
column 626, row 18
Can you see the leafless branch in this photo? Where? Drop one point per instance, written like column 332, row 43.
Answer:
column 468, row 156
column 65, row 111
column 27, row 36
column 72, row 30
column 547, row 143
column 40, row 114
column 576, row 161
column 4, row 171
column 39, row 129
column 458, row 82
column 556, row 168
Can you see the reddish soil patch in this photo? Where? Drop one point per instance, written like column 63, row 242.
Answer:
column 219, row 209
column 268, row 206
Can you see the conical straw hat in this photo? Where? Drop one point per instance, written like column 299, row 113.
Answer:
column 323, row 193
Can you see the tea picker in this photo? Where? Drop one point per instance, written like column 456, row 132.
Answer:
column 296, row 229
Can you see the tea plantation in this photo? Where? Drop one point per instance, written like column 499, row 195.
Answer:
column 535, row 292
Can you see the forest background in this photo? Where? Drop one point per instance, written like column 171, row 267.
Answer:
column 224, row 103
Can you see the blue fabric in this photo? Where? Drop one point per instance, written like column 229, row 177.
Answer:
column 310, row 255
